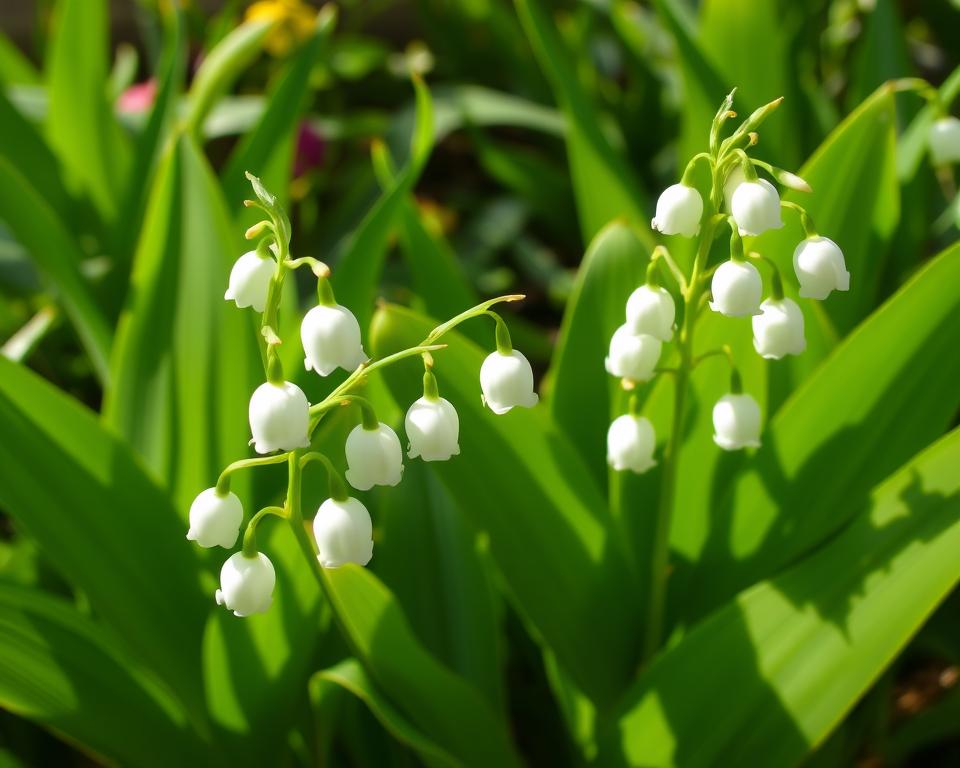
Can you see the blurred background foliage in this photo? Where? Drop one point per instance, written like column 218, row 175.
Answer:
column 549, row 120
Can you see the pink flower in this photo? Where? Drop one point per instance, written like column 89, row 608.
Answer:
column 138, row 97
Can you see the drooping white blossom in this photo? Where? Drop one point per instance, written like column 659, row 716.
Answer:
column 433, row 429
column 755, row 207
column 374, row 457
column 737, row 289
column 250, row 281
column 944, row 141
column 331, row 340
column 630, row 444
column 632, row 355
column 679, row 209
column 246, row 584
column 344, row 533
column 506, row 381
column 650, row 310
column 736, row 422
column 778, row 329
column 279, row 417
column 215, row 519
column 820, row 267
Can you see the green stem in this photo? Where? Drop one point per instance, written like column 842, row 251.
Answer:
column 336, row 487
column 223, row 482
column 250, row 535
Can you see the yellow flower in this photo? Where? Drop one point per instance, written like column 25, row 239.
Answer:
column 295, row 22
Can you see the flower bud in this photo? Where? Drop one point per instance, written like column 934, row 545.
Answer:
column 250, row 281
column 630, row 443
column 279, row 417
column 945, row 141
column 737, row 289
column 755, row 207
column 374, row 457
column 820, row 268
column 632, row 355
column 433, row 427
column 343, row 532
column 650, row 310
column 507, row 382
column 778, row 330
column 736, row 422
column 214, row 519
column 331, row 339
column 679, row 209
column 246, row 584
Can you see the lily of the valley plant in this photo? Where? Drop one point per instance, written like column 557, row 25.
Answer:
column 282, row 421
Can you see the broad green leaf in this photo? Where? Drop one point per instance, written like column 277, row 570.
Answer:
column 60, row 669
column 92, row 148
column 104, row 524
column 356, row 272
column 885, row 392
column 185, row 360
column 54, row 249
column 521, row 482
column 221, row 66
column 799, row 650
column 352, row 677
column 602, row 183
column 881, row 52
column 436, row 700
column 583, row 394
column 461, row 105
column 444, row 590
column 15, row 68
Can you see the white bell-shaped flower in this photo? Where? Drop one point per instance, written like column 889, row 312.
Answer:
column 246, row 584
column 433, row 428
column 945, row 141
column 778, row 330
column 820, row 267
column 630, row 443
column 737, row 289
column 679, row 209
column 755, row 207
column 650, row 310
column 374, row 457
column 734, row 179
column 331, row 340
column 279, row 417
column 506, row 381
column 632, row 355
column 343, row 532
column 736, row 422
column 214, row 519
column 250, row 281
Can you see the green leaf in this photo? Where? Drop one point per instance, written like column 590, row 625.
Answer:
column 436, row 700
column 583, row 394
column 60, row 669
column 520, row 481
column 798, row 651
column 53, row 247
column 602, row 183
column 358, row 265
column 83, row 132
column 15, row 68
column 110, row 530
column 886, row 392
column 350, row 676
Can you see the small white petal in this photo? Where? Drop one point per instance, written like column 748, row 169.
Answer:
column 632, row 355
column 374, row 457
column 279, row 417
column 246, row 584
column 945, row 141
column 737, row 289
column 736, row 422
column 215, row 520
column 820, row 268
column 250, row 281
column 433, row 429
column 679, row 209
column 650, row 310
column 344, row 533
column 778, row 330
column 630, row 444
column 755, row 207
column 331, row 340
column 507, row 382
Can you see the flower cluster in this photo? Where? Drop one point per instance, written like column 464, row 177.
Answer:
column 749, row 205
column 282, row 420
